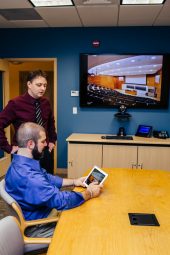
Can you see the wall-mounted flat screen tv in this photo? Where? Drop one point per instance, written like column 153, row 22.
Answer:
column 111, row 80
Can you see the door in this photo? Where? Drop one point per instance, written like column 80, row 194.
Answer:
column 5, row 158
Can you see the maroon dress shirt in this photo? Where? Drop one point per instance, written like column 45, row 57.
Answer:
column 22, row 109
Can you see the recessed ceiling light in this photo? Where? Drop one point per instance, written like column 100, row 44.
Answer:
column 142, row 2
column 93, row 2
column 53, row 3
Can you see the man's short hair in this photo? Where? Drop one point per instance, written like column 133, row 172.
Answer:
column 37, row 73
column 28, row 131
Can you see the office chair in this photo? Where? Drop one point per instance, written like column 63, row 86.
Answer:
column 11, row 238
column 16, row 211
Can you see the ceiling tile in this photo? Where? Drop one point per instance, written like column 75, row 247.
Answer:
column 60, row 16
column 98, row 15
column 167, row 2
column 87, row 13
column 26, row 24
column 138, row 15
column 163, row 18
column 95, row 2
column 9, row 4
column 5, row 24
column 20, row 14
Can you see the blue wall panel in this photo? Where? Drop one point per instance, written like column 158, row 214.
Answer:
column 66, row 44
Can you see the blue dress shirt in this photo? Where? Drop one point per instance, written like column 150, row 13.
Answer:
column 36, row 191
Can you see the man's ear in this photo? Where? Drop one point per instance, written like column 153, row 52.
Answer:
column 28, row 84
column 31, row 144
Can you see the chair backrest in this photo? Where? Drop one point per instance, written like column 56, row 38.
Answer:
column 29, row 243
column 41, row 235
column 12, row 203
column 11, row 240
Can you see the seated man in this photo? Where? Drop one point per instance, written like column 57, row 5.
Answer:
column 36, row 191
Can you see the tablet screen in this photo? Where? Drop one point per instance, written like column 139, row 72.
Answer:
column 144, row 131
column 96, row 175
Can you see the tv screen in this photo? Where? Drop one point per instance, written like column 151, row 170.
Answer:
column 138, row 80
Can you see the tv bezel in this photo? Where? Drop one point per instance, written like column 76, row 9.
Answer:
column 164, row 101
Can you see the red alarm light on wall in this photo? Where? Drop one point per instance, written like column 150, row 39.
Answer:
column 96, row 43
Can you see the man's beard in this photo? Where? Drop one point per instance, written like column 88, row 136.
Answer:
column 36, row 154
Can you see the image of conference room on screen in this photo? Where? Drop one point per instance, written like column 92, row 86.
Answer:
column 131, row 80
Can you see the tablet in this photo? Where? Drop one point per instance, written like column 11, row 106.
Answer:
column 96, row 174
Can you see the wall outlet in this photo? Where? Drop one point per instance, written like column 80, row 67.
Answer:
column 74, row 110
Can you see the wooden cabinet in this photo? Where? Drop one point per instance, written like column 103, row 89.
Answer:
column 87, row 150
column 81, row 157
column 136, row 157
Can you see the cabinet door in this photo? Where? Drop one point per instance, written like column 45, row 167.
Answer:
column 121, row 156
column 81, row 157
column 154, row 157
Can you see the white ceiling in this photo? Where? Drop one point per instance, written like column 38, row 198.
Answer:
column 87, row 13
column 124, row 65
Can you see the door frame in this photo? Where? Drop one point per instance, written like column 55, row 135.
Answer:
column 4, row 67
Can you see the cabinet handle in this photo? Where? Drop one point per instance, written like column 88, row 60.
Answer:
column 140, row 166
column 70, row 163
column 134, row 166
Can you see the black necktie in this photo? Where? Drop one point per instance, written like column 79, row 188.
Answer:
column 38, row 116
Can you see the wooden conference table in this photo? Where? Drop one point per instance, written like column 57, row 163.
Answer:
column 101, row 226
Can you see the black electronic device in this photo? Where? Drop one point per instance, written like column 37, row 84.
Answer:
column 122, row 114
column 121, row 131
column 144, row 131
column 133, row 80
column 143, row 219
column 160, row 134
column 117, row 137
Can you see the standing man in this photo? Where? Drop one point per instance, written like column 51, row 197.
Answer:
column 30, row 107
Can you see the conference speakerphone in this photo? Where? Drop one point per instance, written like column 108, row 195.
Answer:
column 117, row 137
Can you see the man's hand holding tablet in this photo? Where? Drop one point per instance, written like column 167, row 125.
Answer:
column 93, row 182
column 95, row 175
column 94, row 189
